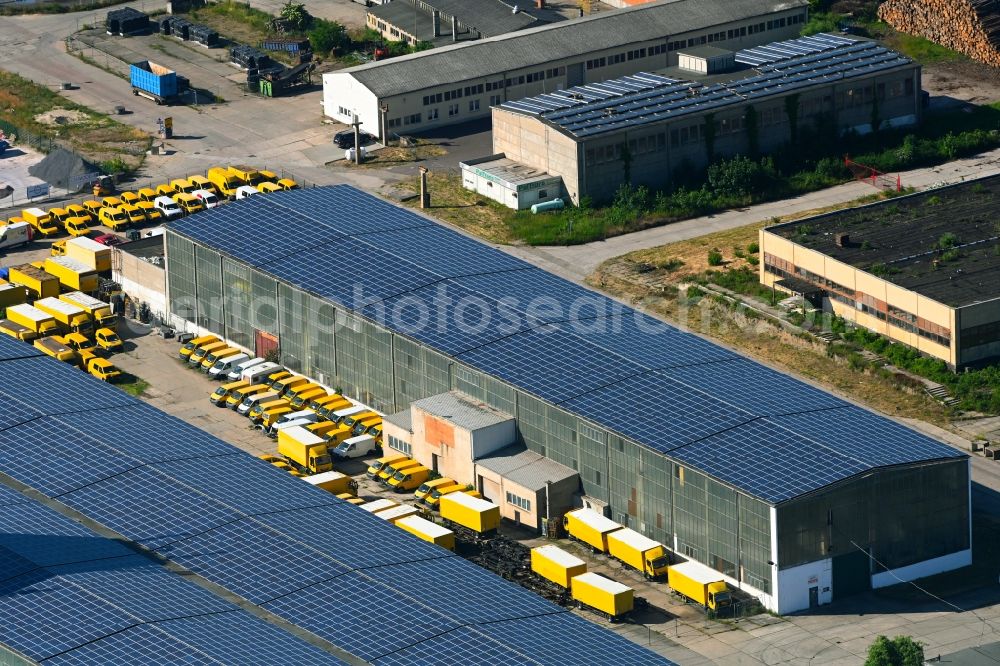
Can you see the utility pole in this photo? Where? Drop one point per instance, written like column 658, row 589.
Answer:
column 384, row 123
column 357, row 139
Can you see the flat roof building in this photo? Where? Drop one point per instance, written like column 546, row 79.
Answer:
column 447, row 21
column 458, row 83
column 791, row 493
column 642, row 129
column 923, row 269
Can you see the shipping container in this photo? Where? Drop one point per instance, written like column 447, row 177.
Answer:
column 428, row 531
column 475, row 514
column 38, row 283
column 73, row 275
column 333, row 482
column 555, row 564
column 603, row 594
column 639, row 552
column 590, row 527
column 153, row 81
column 90, row 253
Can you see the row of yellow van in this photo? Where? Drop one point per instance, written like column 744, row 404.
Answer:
column 402, row 473
column 267, row 398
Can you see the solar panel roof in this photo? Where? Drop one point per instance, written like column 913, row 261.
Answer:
column 72, row 597
column 646, row 98
column 578, row 349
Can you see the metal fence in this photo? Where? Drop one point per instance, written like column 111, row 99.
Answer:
column 37, row 141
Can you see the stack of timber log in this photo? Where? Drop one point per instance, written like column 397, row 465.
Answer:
column 971, row 27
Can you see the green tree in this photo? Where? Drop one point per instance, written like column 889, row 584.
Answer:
column 296, row 15
column 900, row 651
column 327, row 36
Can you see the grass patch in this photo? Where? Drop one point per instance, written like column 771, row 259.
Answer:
column 391, row 155
column 93, row 135
column 920, row 49
column 57, row 7
column 465, row 209
column 132, row 385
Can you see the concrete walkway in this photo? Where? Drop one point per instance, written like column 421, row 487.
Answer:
column 576, row 262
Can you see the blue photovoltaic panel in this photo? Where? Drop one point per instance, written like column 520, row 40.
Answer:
column 9, row 497
column 782, row 464
column 163, row 437
column 150, row 508
column 261, row 488
column 13, row 412
column 489, row 598
column 539, row 296
column 254, row 560
column 339, row 207
column 41, row 535
column 539, row 362
column 37, row 376
column 142, row 588
column 82, row 459
column 13, row 349
column 865, row 436
column 448, row 317
column 366, row 609
column 755, row 388
column 465, row 646
column 359, row 540
column 661, row 414
column 142, row 645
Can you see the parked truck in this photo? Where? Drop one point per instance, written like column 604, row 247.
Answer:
column 98, row 310
column 89, row 252
column 333, row 482
column 56, row 348
column 555, row 564
column 639, row 552
column 304, row 450
column 472, row 513
column 15, row 235
column 73, row 275
column 37, row 282
column 590, row 527
column 700, row 584
column 397, row 513
column 71, row 318
column 15, row 330
column 153, row 81
column 428, row 531
column 41, row 221
column 41, row 323
column 379, row 505
column 608, row 597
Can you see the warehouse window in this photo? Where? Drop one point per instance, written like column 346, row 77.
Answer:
column 495, row 100
column 474, row 105
column 401, row 446
column 452, row 110
column 519, row 501
column 432, row 114
column 413, row 119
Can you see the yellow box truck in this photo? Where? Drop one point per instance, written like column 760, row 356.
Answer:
column 42, row 323
column 397, row 512
column 38, row 283
column 590, row 527
column 56, row 348
column 90, row 253
column 41, row 221
column 11, row 294
column 379, row 505
column 15, row 330
column 304, row 450
column 428, row 531
column 699, row 584
column 602, row 594
column 333, row 482
column 98, row 310
column 71, row 318
column 73, row 275
column 640, row 552
column 555, row 564
column 472, row 513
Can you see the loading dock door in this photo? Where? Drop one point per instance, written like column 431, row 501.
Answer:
column 490, row 490
column 574, row 75
column 851, row 574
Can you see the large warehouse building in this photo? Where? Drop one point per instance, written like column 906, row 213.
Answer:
column 643, row 128
column 923, row 269
column 130, row 537
column 455, row 84
column 795, row 495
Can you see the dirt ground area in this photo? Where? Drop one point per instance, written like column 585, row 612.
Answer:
column 964, row 80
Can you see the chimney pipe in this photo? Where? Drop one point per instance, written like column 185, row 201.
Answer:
column 454, row 29
column 436, row 21
column 425, row 196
